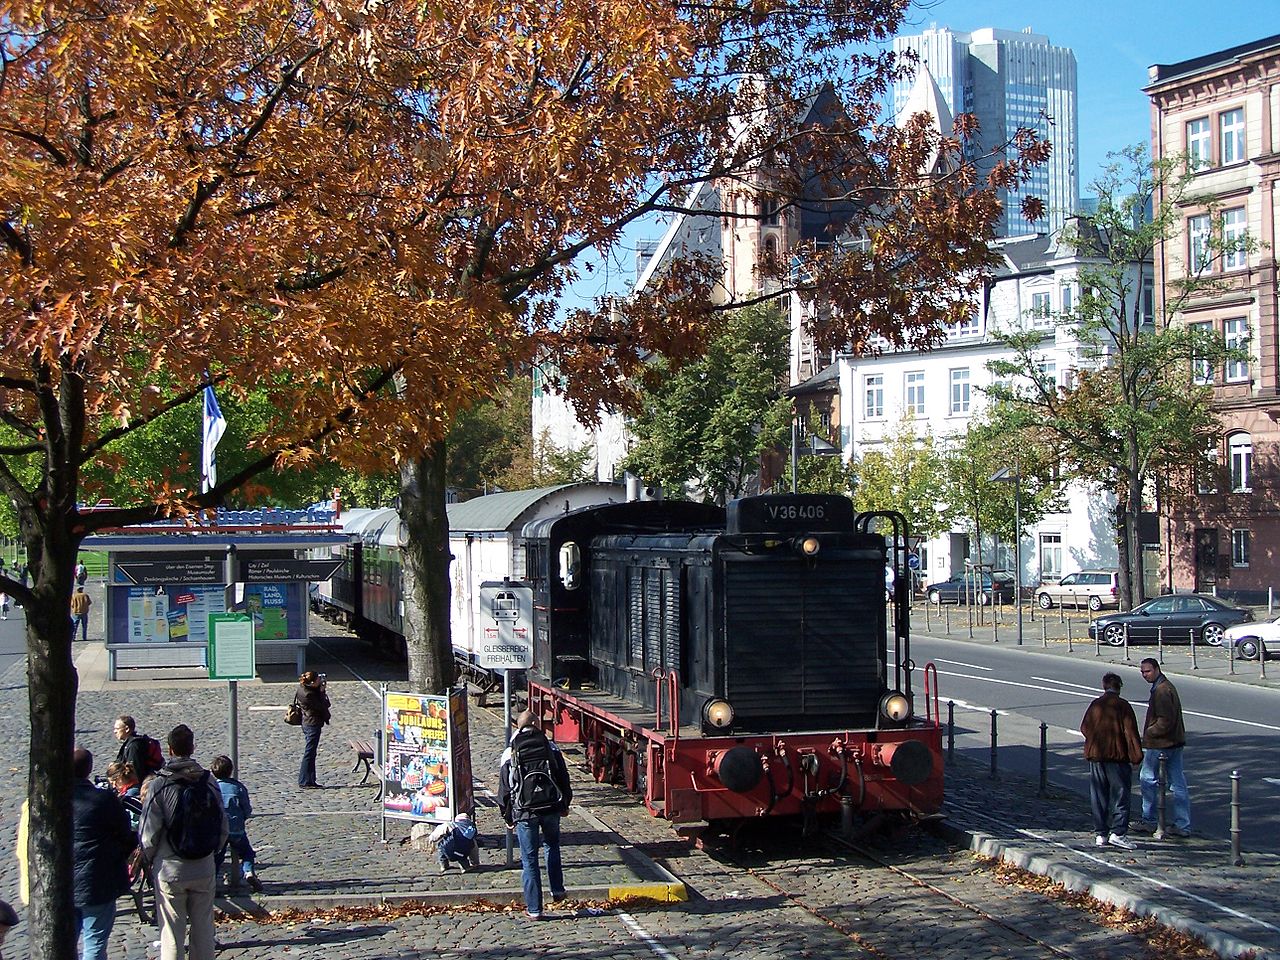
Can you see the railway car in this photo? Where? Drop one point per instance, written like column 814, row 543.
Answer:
column 733, row 664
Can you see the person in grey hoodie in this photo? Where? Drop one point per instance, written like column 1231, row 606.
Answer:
column 184, row 887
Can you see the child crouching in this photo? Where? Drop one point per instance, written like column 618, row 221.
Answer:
column 454, row 840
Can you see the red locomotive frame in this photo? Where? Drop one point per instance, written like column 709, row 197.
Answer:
column 681, row 774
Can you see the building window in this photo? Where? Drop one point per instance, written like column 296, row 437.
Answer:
column 1198, row 143
column 1050, row 556
column 1239, row 548
column 1207, row 476
column 1068, row 297
column 1198, row 242
column 1236, row 333
column 1048, row 370
column 1040, row 308
column 873, row 408
column 1235, row 229
column 1240, row 451
column 959, row 391
column 1148, row 300
column 965, row 328
column 1201, row 368
column 1231, row 136
column 915, row 393
column 769, row 212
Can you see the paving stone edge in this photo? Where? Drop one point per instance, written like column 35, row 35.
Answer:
column 1223, row 944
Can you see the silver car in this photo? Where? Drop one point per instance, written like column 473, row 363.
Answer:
column 1095, row 589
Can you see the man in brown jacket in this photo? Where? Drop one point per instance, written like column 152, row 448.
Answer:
column 1112, row 747
column 1163, row 733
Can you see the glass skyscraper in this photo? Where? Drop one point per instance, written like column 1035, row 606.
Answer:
column 1008, row 80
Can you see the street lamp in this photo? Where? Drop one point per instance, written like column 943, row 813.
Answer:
column 1005, row 475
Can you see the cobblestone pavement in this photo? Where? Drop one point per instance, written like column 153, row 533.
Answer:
column 780, row 898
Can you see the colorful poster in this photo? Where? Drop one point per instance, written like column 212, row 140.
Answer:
column 460, row 742
column 175, row 614
column 417, row 766
column 268, row 604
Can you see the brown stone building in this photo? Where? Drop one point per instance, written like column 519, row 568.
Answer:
column 1223, row 110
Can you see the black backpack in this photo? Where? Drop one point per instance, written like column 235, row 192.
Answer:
column 533, row 786
column 195, row 828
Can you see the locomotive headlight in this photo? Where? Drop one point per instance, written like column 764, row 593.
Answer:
column 809, row 546
column 717, row 714
column 894, row 706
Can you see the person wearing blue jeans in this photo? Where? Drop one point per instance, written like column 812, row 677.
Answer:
column 314, row 700
column 533, row 793
column 102, row 840
column 1163, row 732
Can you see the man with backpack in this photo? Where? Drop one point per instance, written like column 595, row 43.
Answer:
column 533, row 794
column 183, row 826
column 143, row 752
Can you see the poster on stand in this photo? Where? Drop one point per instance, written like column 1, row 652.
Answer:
column 460, row 741
column 417, row 760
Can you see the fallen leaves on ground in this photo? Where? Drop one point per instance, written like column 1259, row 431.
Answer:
column 421, row 908
column 1165, row 942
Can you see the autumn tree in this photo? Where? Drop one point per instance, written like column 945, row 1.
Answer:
column 366, row 212
column 1134, row 408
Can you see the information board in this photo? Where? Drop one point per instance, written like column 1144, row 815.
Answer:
column 417, row 761
column 231, row 648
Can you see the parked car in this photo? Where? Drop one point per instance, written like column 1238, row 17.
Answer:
column 1247, row 639
column 1176, row 616
column 1092, row 588
column 959, row 589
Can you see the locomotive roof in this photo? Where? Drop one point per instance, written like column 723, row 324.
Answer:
column 509, row 511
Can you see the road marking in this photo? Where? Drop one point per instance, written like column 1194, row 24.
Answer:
column 1140, row 877
column 640, row 933
column 966, row 705
column 1065, row 683
column 165, row 703
column 1274, row 781
column 266, row 709
column 961, row 663
column 1135, row 703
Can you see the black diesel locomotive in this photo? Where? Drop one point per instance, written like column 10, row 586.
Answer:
column 736, row 663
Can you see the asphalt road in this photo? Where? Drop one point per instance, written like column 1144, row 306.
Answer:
column 1230, row 726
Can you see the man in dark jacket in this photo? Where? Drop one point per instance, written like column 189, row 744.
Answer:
column 133, row 747
column 1112, row 746
column 101, row 843
column 1163, row 733
column 533, row 794
column 184, row 886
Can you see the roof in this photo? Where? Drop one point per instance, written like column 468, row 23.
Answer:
column 825, row 379
column 1164, row 72
column 501, row 511
column 1024, row 254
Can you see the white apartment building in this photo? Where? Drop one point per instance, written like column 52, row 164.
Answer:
column 940, row 390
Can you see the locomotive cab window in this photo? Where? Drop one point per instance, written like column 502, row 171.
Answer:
column 570, row 565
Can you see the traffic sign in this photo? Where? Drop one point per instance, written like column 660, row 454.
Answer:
column 506, row 626
column 287, row 569
column 913, row 561
column 231, row 649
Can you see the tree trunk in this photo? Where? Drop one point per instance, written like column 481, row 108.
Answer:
column 1123, row 557
column 424, row 556
column 51, row 691
column 1134, row 541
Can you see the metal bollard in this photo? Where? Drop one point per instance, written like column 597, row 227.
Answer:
column 951, row 730
column 1231, row 660
column 1097, row 640
column 1044, row 634
column 947, row 613
column 1236, row 858
column 1262, row 658
column 1191, row 638
column 994, row 776
column 1271, row 601
column 1062, row 609
column 1126, row 644
column 1160, row 643
column 995, row 631
column 1070, row 648
column 1044, row 758
column 1162, row 775
column 927, row 612
column 846, row 816
column 970, row 612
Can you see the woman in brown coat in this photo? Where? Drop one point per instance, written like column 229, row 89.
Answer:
column 313, row 699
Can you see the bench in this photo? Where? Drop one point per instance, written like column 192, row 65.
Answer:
column 363, row 750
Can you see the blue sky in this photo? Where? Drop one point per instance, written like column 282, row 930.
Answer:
column 1114, row 43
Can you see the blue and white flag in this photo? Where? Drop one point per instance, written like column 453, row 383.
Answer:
column 215, row 425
